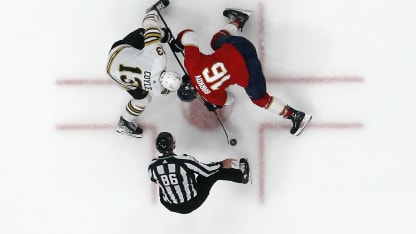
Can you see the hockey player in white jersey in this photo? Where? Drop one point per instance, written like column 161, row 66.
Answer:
column 138, row 64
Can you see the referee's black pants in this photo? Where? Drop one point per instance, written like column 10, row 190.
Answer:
column 203, row 187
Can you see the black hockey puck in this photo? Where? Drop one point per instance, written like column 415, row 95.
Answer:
column 233, row 142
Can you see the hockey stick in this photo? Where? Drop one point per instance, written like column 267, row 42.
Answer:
column 233, row 141
column 166, row 25
column 174, row 53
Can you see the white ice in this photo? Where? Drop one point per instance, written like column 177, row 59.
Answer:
column 357, row 180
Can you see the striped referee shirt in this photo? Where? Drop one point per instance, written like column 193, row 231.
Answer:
column 175, row 175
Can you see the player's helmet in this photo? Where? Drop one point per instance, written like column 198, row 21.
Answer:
column 187, row 92
column 170, row 80
column 165, row 142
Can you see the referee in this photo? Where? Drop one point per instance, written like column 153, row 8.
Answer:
column 184, row 183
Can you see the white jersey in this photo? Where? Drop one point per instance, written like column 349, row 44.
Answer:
column 132, row 68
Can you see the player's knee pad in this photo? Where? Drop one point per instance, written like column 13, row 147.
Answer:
column 263, row 102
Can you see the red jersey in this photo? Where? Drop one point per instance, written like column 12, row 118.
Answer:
column 212, row 74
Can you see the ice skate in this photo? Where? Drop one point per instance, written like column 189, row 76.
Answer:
column 299, row 120
column 237, row 15
column 159, row 6
column 245, row 168
column 129, row 128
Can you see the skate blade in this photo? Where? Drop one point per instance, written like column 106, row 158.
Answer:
column 303, row 124
column 247, row 12
column 121, row 131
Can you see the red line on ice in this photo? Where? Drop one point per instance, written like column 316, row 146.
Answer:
column 273, row 126
column 152, row 129
column 75, row 82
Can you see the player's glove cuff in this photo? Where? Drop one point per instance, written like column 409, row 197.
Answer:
column 167, row 35
column 186, row 37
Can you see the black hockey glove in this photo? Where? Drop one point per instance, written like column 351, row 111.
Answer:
column 175, row 46
column 170, row 39
column 211, row 107
column 185, row 78
column 167, row 35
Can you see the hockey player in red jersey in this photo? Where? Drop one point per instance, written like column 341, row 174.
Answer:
column 233, row 62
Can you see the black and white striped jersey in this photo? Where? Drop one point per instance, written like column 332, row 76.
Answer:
column 175, row 175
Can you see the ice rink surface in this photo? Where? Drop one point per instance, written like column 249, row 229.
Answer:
column 63, row 168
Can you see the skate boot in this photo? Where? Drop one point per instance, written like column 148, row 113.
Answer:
column 299, row 120
column 245, row 168
column 129, row 128
column 158, row 6
column 238, row 16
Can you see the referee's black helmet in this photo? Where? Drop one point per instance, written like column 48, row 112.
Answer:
column 165, row 142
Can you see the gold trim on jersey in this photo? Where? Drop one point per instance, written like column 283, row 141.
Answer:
column 151, row 41
column 135, row 110
column 152, row 30
column 156, row 35
column 152, row 35
column 153, row 17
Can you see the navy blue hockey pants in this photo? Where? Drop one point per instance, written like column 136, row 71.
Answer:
column 256, row 88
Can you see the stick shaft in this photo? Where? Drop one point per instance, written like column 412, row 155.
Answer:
column 176, row 57
column 222, row 125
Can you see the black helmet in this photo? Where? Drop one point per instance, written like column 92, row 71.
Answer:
column 186, row 92
column 165, row 142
